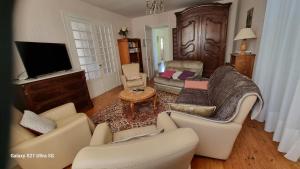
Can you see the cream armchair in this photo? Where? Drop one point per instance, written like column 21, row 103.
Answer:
column 172, row 149
column 132, row 78
column 73, row 132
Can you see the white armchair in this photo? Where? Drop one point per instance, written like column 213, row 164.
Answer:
column 172, row 149
column 73, row 132
column 132, row 78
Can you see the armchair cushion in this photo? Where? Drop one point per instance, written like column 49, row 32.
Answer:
column 135, row 83
column 136, row 133
column 36, row 123
column 197, row 110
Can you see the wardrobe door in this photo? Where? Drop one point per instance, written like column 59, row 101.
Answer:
column 187, row 37
column 213, row 41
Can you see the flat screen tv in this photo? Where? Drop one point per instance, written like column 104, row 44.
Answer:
column 43, row 58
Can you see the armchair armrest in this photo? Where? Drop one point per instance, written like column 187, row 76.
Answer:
column 64, row 143
column 164, row 121
column 102, row 135
column 60, row 112
column 144, row 77
column 215, row 139
column 123, row 79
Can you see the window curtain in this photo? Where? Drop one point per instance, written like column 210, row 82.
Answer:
column 277, row 73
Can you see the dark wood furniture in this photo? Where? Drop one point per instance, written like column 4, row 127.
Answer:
column 175, row 45
column 243, row 63
column 201, row 35
column 41, row 95
column 130, row 51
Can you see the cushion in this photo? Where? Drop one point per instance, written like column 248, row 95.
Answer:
column 186, row 74
column 135, row 83
column 194, row 84
column 167, row 74
column 169, row 82
column 193, row 96
column 176, row 75
column 136, row 133
column 133, row 76
column 36, row 123
column 204, row 111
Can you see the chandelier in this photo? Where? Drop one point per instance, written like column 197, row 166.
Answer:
column 154, row 7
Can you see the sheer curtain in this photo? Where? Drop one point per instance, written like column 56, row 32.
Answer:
column 277, row 73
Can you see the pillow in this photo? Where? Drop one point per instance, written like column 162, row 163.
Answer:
column 204, row 111
column 194, row 84
column 138, row 135
column 133, row 76
column 36, row 123
column 167, row 74
column 176, row 75
column 186, row 74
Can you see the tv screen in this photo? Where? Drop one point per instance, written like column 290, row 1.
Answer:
column 43, row 58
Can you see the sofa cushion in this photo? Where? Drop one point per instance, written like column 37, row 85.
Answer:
column 186, row 74
column 167, row 74
column 196, row 84
column 176, row 75
column 38, row 124
column 171, row 82
column 193, row 96
column 198, row 110
column 193, row 66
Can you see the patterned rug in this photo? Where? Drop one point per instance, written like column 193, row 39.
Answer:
column 117, row 115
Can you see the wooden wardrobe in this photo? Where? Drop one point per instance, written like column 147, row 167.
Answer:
column 201, row 35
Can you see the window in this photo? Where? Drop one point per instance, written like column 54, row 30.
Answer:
column 84, row 44
column 107, row 49
column 94, row 45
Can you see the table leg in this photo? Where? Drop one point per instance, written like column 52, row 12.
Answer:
column 132, row 110
column 154, row 102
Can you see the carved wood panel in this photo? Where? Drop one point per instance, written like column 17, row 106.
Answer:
column 201, row 35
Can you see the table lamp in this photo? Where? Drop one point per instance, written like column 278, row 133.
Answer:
column 244, row 34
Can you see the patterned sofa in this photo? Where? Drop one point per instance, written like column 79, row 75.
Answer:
column 175, row 86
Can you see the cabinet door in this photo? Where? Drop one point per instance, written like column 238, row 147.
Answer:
column 213, row 40
column 188, row 36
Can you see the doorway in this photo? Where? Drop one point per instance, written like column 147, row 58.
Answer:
column 162, row 47
column 158, row 42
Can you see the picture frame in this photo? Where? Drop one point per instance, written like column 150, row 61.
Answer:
column 249, row 18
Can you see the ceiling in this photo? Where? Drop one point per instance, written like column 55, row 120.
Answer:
column 135, row 8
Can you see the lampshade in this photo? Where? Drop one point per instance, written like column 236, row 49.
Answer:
column 245, row 33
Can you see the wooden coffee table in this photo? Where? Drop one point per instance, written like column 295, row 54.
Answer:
column 134, row 97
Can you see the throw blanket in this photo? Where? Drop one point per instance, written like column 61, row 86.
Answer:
column 226, row 90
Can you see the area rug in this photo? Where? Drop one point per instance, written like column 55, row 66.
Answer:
column 117, row 115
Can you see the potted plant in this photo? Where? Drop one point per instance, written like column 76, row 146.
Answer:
column 123, row 32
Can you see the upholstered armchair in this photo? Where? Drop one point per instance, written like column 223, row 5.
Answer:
column 132, row 78
column 72, row 133
column 172, row 149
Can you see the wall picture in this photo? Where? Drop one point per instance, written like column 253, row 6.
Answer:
column 249, row 18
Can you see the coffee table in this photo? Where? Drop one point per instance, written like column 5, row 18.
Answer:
column 134, row 97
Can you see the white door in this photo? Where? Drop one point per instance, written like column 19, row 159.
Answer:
column 93, row 47
column 149, row 52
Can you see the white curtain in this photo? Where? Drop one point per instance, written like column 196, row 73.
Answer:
column 277, row 73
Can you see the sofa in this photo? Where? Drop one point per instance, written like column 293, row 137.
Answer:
column 234, row 96
column 175, row 86
column 73, row 132
column 168, row 150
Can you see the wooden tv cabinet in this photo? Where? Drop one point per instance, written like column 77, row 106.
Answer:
column 43, row 94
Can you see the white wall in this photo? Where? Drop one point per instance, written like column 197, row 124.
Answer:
column 257, row 21
column 169, row 19
column 42, row 21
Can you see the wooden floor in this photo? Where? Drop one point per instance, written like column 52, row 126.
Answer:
column 254, row 148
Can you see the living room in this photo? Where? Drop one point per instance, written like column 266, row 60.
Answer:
column 153, row 84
